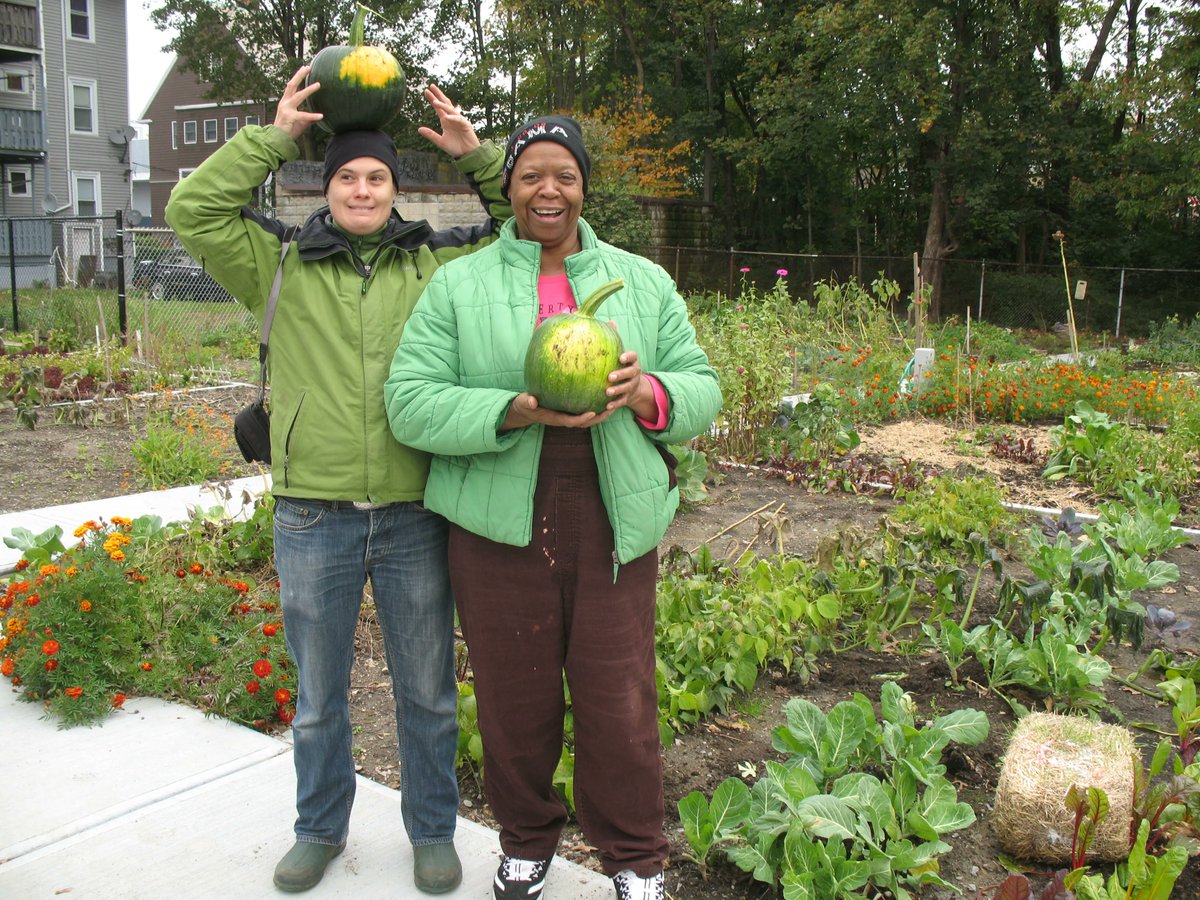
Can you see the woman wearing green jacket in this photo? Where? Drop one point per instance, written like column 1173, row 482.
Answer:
column 556, row 518
column 347, row 496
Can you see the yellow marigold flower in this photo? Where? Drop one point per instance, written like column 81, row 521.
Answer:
column 81, row 531
column 72, row 572
column 48, row 570
column 122, row 521
column 117, row 556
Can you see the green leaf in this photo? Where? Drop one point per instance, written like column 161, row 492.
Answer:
column 964, row 726
column 805, row 722
column 730, row 804
column 828, row 817
column 845, row 729
column 696, row 820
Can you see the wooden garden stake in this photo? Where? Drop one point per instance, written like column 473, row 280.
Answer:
column 1062, row 249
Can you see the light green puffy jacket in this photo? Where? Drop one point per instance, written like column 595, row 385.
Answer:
column 460, row 364
column 337, row 323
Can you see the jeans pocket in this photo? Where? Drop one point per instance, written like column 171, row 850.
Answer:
column 298, row 515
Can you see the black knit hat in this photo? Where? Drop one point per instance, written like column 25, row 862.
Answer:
column 560, row 129
column 351, row 145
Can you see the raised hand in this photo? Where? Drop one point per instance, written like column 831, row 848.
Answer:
column 457, row 135
column 289, row 117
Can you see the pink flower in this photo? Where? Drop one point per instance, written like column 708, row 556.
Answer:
column 744, row 269
column 782, row 273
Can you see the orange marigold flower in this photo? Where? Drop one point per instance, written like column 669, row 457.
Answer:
column 270, row 629
column 146, row 666
column 283, row 696
column 74, row 692
column 50, row 647
column 85, row 605
column 22, row 565
column 33, row 600
column 51, row 665
column 181, row 573
column 122, row 521
column 48, row 569
column 286, row 714
column 253, row 687
column 262, row 668
column 72, row 572
column 118, row 701
column 196, row 569
column 7, row 667
column 117, row 556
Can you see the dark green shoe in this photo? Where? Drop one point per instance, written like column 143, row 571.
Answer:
column 436, row 869
column 302, row 866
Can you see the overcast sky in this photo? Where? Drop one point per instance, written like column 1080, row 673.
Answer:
column 147, row 63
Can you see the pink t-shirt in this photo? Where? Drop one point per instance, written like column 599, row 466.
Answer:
column 554, row 297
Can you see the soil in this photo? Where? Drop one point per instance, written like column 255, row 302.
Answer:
column 58, row 463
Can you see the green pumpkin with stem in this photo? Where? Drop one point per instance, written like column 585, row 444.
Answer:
column 362, row 87
column 571, row 355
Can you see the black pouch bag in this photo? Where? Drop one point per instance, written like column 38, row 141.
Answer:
column 252, row 431
column 252, row 424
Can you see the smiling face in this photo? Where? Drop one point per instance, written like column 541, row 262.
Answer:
column 360, row 195
column 547, row 197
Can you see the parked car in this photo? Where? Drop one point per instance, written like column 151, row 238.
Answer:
column 176, row 275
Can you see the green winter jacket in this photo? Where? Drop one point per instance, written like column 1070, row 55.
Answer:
column 460, row 365
column 337, row 322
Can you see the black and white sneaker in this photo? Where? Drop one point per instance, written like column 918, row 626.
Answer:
column 520, row 879
column 631, row 887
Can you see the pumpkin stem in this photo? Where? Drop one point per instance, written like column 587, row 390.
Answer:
column 356, row 27
column 599, row 295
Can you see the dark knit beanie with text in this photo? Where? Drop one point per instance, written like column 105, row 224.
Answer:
column 562, row 130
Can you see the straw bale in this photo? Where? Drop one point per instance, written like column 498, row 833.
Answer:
column 1047, row 754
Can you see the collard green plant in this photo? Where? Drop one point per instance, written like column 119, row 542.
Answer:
column 861, row 799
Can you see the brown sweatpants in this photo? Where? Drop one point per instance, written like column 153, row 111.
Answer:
column 529, row 614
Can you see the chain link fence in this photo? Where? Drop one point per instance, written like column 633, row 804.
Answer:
column 91, row 278
column 87, row 279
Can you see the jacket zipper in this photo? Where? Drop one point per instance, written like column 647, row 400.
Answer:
column 287, row 441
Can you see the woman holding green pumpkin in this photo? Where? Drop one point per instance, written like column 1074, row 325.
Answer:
column 556, row 517
column 347, row 496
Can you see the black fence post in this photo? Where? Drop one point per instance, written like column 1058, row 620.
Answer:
column 122, row 319
column 12, row 275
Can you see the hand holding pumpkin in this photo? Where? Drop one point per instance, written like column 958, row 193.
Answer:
column 457, row 136
column 289, row 117
column 627, row 387
column 525, row 410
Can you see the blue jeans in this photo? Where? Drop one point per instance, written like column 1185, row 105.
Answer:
column 325, row 551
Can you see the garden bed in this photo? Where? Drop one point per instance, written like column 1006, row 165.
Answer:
column 750, row 508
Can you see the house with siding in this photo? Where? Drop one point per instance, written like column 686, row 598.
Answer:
column 185, row 127
column 64, row 129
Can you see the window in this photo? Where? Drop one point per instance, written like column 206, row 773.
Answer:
column 251, row 120
column 87, row 194
column 19, row 178
column 83, row 107
column 184, row 173
column 81, row 19
column 174, row 135
column 12, row 82
column 210, row 131
column 189, row 132
column 231, row 125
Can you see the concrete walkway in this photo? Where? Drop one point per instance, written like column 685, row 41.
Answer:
column 161, row 802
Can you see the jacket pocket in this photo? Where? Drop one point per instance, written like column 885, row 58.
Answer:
column 670, row 462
